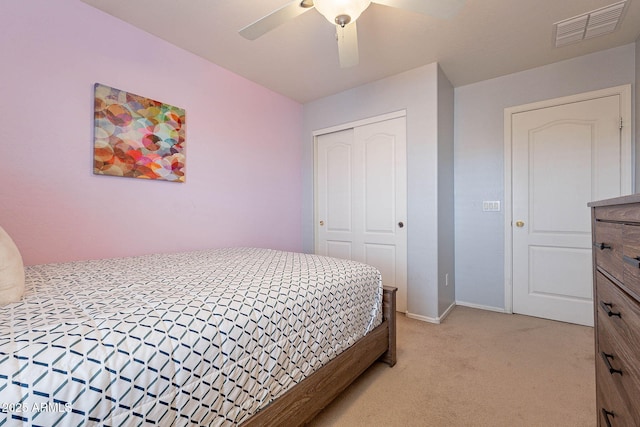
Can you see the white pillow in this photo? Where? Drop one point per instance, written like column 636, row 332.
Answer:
column 11, row 270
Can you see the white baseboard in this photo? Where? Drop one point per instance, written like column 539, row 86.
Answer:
column 446, row 312
column 481, row 307
column 423, row 318
column 436, row 320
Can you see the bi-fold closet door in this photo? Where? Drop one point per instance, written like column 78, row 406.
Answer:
column 361, row 198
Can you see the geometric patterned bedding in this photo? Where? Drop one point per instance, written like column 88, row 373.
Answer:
column 196, row 338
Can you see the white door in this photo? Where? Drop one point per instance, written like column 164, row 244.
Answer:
column 562, row 157
column 361, row 199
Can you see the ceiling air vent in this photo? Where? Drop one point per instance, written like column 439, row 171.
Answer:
column 591, row 24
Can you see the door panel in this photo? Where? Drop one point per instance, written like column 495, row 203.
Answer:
column 379, row 153
column 383, row 257
column 382, row 147
column 558, row 272
column 563, row 157
column 338, row 249
column 334, row 177
column 338, row 183
column 564, row 167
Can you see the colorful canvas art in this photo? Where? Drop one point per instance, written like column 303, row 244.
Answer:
column 137, row 136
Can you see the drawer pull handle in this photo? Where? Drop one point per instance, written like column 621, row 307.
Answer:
column 632, row 261
column 606, row 414
column 606, row 306
column 602, row 246
column 607, row 362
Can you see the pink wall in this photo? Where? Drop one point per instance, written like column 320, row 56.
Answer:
column 243, row 167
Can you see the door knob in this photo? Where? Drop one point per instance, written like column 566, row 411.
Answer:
column 401, row 224
column 520, row 224
column 321, row 223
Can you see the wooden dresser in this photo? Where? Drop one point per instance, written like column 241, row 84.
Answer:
column 616, row 261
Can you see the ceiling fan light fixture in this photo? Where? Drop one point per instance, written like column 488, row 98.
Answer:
column 341, row 12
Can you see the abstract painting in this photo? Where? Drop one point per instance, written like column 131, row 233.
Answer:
column 137, row 137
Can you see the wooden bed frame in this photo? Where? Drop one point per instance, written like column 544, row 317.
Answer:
column 301, row 403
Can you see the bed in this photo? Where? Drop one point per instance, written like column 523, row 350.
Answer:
column 239, row 336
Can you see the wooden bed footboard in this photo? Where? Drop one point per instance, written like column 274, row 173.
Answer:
column 303, row 402
column 389, row 314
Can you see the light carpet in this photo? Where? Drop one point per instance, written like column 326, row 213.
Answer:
column 477, row 368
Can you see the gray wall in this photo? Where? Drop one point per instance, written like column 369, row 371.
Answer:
column 446, row 264
column 479, row 150
column 416, row 92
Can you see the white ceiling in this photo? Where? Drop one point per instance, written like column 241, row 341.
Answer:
column 486, row 39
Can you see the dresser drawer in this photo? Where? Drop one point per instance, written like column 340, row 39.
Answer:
column 619, row 311
column 607, row 247
column 612, row 409
column 623, row 212
column 618, row 330
column 618, row 363
column 631, row 258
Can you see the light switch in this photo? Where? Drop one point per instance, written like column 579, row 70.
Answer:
column 491, row 206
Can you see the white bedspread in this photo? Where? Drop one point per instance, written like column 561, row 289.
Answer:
column 198, row 338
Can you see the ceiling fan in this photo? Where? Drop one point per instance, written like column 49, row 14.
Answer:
column 343, row 13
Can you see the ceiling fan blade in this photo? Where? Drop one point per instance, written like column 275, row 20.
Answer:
column 275, row 19
column 348, row 45
column 443, row 9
